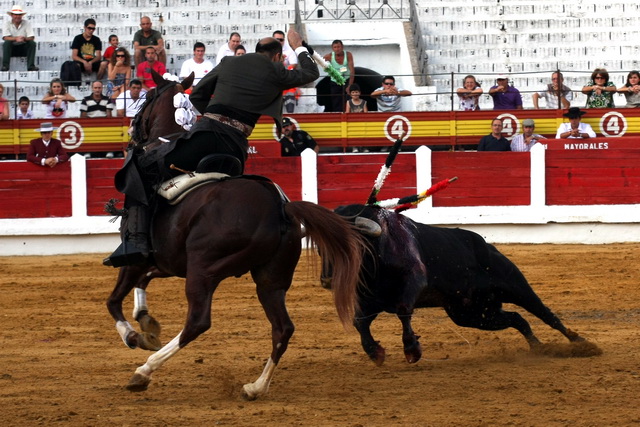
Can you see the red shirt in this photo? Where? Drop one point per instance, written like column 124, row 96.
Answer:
column 144, row 73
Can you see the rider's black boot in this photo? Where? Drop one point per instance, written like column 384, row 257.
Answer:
column 134, row 249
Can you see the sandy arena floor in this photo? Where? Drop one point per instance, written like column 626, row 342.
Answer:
column 62, row 362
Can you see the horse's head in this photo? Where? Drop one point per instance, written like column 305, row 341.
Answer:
column 156, row 117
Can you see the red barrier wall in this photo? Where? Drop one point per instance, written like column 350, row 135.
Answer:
column 31, row 191
column 484, row 178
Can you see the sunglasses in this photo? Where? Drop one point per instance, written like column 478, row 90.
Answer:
column 119, row 56
column 91, row 28
column 599, row 77
column 280, row 40
column 388, row 83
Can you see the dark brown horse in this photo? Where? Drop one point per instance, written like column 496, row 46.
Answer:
column 225, row 229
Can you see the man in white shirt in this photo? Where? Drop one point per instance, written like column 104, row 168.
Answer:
column 552, row 91
column 575, row 128
column 18, row 39
column 129, row 103
column 290, row 57
column 198, row 65
column 229, row 49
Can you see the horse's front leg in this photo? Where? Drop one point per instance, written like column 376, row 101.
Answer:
column 128, row 277
column 137, row 277
column 149, row 339
column 199, row 295
column 282, row 329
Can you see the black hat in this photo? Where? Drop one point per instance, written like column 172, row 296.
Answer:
column 286, row 122
column 574, row 112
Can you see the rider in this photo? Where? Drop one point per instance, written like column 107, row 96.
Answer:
column 232, row 97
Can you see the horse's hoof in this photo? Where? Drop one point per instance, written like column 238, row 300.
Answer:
column 138, row 383
column 149, row 324
column 378, row 356
column 248, row 393
column 149, row 342
column 413, row 354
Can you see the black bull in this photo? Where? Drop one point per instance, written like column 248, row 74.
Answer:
column 412, row 265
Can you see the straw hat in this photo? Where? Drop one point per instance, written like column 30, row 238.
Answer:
column 46, row 127
column 16, row 10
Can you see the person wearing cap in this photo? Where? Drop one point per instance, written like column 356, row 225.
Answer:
column 46, row 151
column 524, row 141
column 18, row 39
column 575, row 128
column 505, row 97
column 494, row 141
column 555, row 93
column 294, row 142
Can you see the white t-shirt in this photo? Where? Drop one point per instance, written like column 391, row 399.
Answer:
column 131, row 106
column 200, row 70
column 224, row 51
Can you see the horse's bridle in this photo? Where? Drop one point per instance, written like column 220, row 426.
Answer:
column 140, row 135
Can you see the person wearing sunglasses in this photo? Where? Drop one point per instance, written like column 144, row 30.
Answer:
column 389, row 96
column 86, row 49
column 119, row 72
column 290, row 57
column 599, row 90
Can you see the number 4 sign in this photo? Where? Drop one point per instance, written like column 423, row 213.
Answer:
column 396, row 126
column 613, row 124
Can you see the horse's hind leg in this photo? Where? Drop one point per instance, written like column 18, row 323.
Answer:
column 282, row 329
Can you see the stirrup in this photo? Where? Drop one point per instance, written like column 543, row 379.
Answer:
column 127, row 254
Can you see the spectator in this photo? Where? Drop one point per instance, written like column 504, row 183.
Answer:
column 505, row 97
column 57, row 100
column 289, row 57
column 119, row 72
column 109, row 51
column 555, row 93
column 343, row 62
column 4, row 105
column 240, row 50
column 525, row 140
column 24, row 112
column 18, row 39
column 96, row 104
column 147, row 37
column 46, row 151
column 143, row 71
column 599, row 90
column 389, row 96
column 128, row 103
column 494, row 141
column 355, row 104
column 86, row 49
column 631, row 90
column 575, row 129
column 294, row 142
column 290, row 96
column 198, row 65
column 228, row 49
column 469, row 94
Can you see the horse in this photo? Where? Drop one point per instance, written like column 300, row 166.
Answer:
column 222, row 229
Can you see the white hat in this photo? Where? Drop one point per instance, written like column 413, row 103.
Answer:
column 46, row 127
column 502, row 77
column 16, row 10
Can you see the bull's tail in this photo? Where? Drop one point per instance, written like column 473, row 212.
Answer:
column 340, row 246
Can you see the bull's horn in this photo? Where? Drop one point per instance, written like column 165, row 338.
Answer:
column 368, row 226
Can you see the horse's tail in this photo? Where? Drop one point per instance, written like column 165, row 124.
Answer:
column 341, row 248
